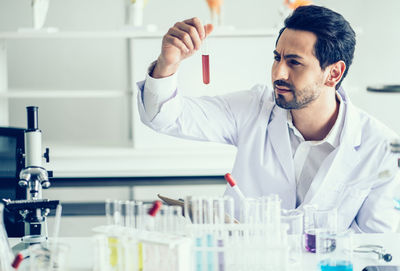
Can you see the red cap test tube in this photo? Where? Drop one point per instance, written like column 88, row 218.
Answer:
column 232, row 183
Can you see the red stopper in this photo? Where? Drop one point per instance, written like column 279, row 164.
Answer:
column 17, row 260
column 229, row 179
column 156, row 207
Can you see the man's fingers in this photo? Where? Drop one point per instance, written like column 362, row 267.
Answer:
column 177, row 43
column 183, row 36
column 193, row 33
column 195, row 22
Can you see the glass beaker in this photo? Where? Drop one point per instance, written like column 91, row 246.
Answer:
column 294, row 219
column 334, row 250
column 314, row 219
column 49, row 256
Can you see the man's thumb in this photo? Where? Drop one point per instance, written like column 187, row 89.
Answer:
column 208, row 28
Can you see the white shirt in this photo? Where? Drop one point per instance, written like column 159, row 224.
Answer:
column 309, row 155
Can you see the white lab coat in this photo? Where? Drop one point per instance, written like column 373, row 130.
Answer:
column 347, row 179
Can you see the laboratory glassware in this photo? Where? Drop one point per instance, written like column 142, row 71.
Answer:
column 113, row 212
column 314, row 219
column 49, row 256
column 294, row 220
column 205, row 62
column 334, row 250
column 231, row 181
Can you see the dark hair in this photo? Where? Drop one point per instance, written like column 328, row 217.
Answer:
column 335, row 37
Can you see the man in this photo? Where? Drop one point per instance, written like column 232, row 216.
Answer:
column 305, row 140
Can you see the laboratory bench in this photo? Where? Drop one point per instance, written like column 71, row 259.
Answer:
column 81, row 254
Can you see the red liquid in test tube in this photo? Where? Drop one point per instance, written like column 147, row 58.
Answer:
column 206, row 68
column 205, row 60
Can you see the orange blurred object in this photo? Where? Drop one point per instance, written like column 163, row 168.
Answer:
column 215, row 5
column 296, row 3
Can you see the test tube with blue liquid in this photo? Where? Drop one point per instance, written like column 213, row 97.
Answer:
column 209, row 233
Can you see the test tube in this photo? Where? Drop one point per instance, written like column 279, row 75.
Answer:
column 250, row 211
column 176, row 219
column 229, row 209
column 117, row 212
column 208, row 220
column 232, row 183
column 162, row 220
column 151, row 213
column 205, row 60
column 219, row 219
column 188, row 213
column 108, row 207
column 197, row 218
column 274, row 217
column 125, row 219
column 139, row 214
column 130, row 221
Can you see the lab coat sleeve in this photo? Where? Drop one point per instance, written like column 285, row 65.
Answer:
column 215, row 119
column 377, row 213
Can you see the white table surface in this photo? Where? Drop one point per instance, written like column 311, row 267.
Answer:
column 81, row 255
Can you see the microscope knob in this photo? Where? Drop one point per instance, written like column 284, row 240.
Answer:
column 387, row 257
column 47, row 155
column 23, row 183
column 46, row 184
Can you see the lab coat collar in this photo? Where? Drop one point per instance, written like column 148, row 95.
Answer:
column 280, row 141
column 352, row 122
column 335, row 170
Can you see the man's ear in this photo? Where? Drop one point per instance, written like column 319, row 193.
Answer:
column 336, row 71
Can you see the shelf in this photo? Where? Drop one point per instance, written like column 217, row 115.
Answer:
column 96, row 162
column 21, row 94
column 126, row 33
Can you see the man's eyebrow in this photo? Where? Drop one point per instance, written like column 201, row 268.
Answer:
column 288, row 56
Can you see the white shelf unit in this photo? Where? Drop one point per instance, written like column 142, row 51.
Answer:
column 241, row 58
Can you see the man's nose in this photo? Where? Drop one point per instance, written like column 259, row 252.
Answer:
column 280, row 71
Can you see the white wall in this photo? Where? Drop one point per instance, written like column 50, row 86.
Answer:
column 375, row 61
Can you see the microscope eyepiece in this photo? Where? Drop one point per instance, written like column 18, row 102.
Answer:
column 32, row 112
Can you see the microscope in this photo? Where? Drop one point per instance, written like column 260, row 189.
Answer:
column 34, row 178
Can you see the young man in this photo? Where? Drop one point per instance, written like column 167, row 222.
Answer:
column 304, row 140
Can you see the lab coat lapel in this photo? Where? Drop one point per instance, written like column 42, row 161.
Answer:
column 335, row 170
column 280, row 141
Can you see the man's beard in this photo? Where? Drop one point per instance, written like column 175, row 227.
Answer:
column 301, row 98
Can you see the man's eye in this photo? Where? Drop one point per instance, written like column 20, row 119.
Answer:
column 294, row 62
column 277, row 58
